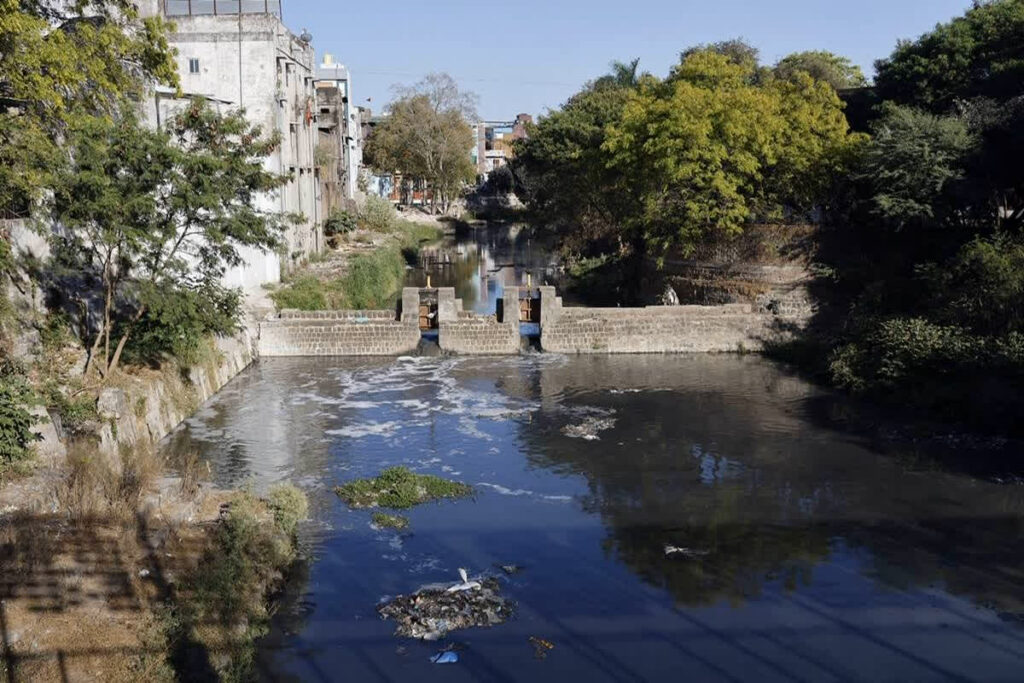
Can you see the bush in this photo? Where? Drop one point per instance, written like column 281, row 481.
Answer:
column 16, row 435
column 378, row 215
column 374, row 280
column 178, row 322
column 339, row 222
column 306, row 293
column 289, row 506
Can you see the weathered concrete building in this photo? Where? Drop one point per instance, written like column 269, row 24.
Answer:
column 240, row 54
column 340, row 136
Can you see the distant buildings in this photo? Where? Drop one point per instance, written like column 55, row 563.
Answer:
column 494, row 142
column 339, row 148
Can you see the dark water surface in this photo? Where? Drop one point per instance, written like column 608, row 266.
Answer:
column 814, row 558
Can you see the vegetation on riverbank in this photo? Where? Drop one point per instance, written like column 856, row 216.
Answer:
column 399, row 488
column 920, row 246
column 369, row 279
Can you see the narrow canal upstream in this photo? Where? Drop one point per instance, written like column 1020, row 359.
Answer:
column 676, row 518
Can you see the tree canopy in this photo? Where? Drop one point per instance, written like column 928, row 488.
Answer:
column 155, row 217
column 980, row 54
column 60, row 62
column 821, row 65
column 426, row 137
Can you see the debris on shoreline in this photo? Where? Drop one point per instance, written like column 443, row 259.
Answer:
column 399, row 488
column 589, row 428
column 431, row 613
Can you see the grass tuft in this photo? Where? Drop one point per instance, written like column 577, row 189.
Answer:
column 386, row 521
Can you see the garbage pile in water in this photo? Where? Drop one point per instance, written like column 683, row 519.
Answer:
column 433, row 612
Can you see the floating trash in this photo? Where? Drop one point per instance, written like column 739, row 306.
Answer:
column 541, row 647
column 431, row 613
column 589, row 428
column 509, row 569
column 447, row 657
column 689, row 553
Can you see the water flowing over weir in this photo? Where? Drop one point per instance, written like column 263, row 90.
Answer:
column 674, row 517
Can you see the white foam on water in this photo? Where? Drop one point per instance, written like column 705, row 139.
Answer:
column 364, row 429
column 505, row 491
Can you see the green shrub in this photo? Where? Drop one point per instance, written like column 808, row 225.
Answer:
column 374, row 280
column 304, row 293
column 289, row 506
column 378, row 215
column 339, row 222
column 16, row 435
column 179, row 322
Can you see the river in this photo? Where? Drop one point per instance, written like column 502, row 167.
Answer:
column 811, row 553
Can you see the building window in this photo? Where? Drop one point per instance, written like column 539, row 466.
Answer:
column 193, row 65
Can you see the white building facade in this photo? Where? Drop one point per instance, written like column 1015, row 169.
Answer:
column 252, row 61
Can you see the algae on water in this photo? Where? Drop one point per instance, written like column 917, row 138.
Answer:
column 386, row 521
column 399, row 488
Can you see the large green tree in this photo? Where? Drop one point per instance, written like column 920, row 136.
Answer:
column 61, row 62
column 156, row 217
column 980, row 54
column 716, row 146
column 821, row 65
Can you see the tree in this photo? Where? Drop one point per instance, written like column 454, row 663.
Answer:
column 60, row 62
column 715, row 147
column 425, row 137
column 839, row 72
column 980, row 54
column 157, row 216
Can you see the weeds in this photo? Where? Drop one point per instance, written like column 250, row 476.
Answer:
column 386, row 521
column 399, row 488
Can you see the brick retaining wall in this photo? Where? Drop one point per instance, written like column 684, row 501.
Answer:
column 340, row 335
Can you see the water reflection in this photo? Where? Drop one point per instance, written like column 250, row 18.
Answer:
column 809, row 554
column 481, row 262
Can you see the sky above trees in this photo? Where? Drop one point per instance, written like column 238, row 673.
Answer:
column 532, row 55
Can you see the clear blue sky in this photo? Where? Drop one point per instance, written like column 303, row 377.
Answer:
column 530, row 55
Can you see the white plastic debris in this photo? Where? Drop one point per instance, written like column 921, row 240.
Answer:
column 466, row 584
column 685, row 552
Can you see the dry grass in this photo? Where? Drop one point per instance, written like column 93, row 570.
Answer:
column 96, row 485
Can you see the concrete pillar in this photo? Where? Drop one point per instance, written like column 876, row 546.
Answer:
column 550, row 306
column 510, row 303
column 447, row 311
column 411, row 305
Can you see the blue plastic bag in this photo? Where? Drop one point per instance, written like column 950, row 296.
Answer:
column 445, row 658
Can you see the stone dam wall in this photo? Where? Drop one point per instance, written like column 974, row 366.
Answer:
column 337, row 333
column 726, row 328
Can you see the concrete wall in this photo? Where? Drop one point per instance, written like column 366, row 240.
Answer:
column 655, row 329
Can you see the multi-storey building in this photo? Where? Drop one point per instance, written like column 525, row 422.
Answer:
column 340, row 147
column 238, row 53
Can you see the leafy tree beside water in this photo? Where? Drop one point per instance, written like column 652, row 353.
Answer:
column 155, row 217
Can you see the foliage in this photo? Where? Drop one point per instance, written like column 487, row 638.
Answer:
column 339, row 222
column 371, row 282
column 912, row 163
column 159, row 214
column 16, row 435
column 60, row 64
column 399, row 488
column 980, row 54
column 425, row 137
column 386, row 521
column 224, row 603
column 714, row 148
column 824, row 66
column 289, row 507
column 377, row 215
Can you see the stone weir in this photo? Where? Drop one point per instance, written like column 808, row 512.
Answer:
column 436, row 313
